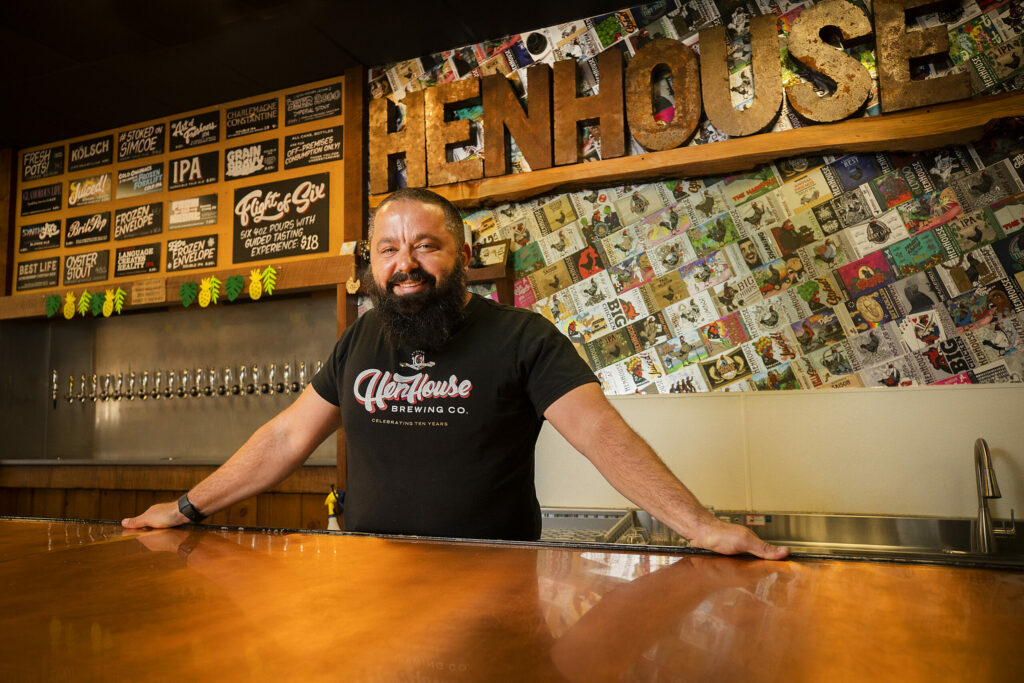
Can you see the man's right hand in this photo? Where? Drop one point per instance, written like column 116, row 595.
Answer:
column 159, row 516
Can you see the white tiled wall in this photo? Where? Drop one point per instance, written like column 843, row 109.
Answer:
column 848, row 451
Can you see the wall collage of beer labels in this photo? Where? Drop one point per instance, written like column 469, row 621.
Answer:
column 871, row 270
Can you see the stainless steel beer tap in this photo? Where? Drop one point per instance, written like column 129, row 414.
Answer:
column 210, row 378
column 144, row 384
column 157, row 381
column 275, row 386
column 288, row 386
column 120, row 387
column 239, row 387
column 53, row 388
column 302, row 374
column 131, row 387
column 108, row 381
column 81, row 391
column 226, row 385
column 262, row 387
column 94, row 386
column 71, row 389
column 244, row 386
column 172, row 376
column 185, row 390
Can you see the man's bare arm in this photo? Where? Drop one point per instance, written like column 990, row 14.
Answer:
column 271, row 454
column 592, row 425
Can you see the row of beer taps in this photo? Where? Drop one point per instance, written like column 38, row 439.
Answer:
column 204, row 382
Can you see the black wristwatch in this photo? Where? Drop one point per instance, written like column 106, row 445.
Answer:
column 186, row 508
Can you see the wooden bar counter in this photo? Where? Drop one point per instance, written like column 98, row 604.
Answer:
column 88, row 601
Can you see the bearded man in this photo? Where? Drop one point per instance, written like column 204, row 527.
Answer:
column 442, row 395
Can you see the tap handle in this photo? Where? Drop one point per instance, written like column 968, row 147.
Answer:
column 81, row 390
column 54, row 388
column 120, row 387
column 157, row 382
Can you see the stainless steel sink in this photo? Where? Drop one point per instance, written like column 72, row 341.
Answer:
column 929, row 539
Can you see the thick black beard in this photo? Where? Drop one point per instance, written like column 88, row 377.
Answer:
column 422, row 321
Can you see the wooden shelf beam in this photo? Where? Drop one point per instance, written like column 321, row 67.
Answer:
column 910, row 131
column 292, row 277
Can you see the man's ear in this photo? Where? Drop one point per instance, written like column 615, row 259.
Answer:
column 467, row 255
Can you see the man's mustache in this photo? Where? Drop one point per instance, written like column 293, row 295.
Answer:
column 412, row 276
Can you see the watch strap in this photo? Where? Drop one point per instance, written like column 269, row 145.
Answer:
column 186, row 508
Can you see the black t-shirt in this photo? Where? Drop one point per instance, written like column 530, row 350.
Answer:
column 440, row 443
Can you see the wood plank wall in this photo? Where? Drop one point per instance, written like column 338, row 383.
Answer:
column 113, row 492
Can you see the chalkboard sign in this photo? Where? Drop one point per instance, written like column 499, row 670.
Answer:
column 314, row 147
column 192, row 171
column 138, row 221
column 40, row 199
column 310, row 105
column 38, row 274
column 87, row 229
column 192, row 212
column 250, row 118
column 91, row 153
column 85, row 191
column 137, row 260
column 193, row 131
column 92, row 266
column 42, row 163
column 250, row 160
column 39, row 236
column 132, row 182
column 285, row 218
column 190, row 253
column 139, row 143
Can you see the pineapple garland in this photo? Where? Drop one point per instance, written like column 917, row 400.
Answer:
column 101, row 303
column 207, row 291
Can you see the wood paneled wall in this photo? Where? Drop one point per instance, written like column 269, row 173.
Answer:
column 112, row 492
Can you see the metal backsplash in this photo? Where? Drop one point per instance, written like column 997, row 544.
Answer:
column 191, row 429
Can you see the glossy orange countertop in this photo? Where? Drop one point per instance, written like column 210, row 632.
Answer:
column 86, row 601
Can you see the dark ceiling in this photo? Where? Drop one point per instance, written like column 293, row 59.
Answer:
column 73, row 68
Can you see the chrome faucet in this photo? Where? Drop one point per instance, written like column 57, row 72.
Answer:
column 984, row 532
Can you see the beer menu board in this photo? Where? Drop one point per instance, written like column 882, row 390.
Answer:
column 249, row 181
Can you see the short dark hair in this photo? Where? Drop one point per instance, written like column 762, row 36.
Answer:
column 452, row 216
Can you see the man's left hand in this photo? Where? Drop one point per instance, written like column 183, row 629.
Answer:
column 733, row 539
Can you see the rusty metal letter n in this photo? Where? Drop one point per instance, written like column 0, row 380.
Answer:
column 853, row 82
column 441, row 133
column 767, row 78
column 896, row 47
column 504, row 116
column 653, row 134
column 606, row 106
column 409, row 140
